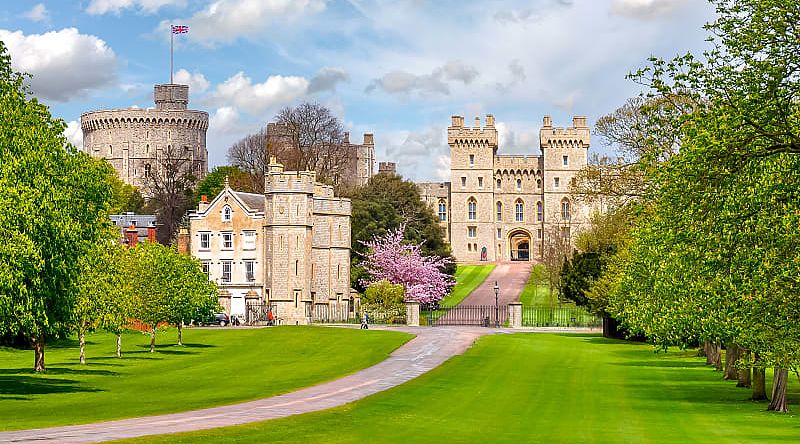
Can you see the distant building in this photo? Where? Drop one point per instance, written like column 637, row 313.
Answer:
column 135, row 228
column 288, row 249
column 134, row 141
column 501, row 207
column 387, row 168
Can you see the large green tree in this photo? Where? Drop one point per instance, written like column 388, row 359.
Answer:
column 382, row 205
column 55, row 203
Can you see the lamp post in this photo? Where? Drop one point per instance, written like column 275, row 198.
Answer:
column 496, row 305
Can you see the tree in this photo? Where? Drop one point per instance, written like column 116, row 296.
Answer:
column 383, row 294
column 312, row 139
column 170, row 188
column 556, row 250
column 127, row 198
column 391, row 259
column 251, row 154
column 55, row 203
column 214, row 182
column 169, row 288
column 384, row 204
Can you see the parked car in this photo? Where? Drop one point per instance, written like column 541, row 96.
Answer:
column 220, row 319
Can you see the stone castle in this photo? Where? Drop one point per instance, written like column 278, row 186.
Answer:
column 134, row 141
column 500, row 207
column 287, row 249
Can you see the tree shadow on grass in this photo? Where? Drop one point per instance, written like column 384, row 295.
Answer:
column 167, row 349
column 32, row 385
column 59, row 371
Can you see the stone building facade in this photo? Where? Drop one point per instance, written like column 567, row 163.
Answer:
column 134, row 141
column 500, row 207
column 288, row 249
column 360, row 158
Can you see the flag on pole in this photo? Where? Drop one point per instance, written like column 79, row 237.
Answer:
column 180, row 29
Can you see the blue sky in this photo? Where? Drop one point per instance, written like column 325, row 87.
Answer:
column 398, row 69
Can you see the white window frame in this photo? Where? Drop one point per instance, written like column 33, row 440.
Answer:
column 250, row 270
column 205, row 240
column 442, row 211
column 519, row 211
column 227, row 240
column 227, row 213
column 472, row 232
column 227, row 274
column 249, row 240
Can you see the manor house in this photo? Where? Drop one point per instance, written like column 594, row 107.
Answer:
column 287, row 249
column 502, row 207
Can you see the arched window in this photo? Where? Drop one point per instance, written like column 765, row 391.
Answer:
column 519, row 211
column 539, row 212
column 565, row 209
column 472, row 209
column 442, row 210
column 499, row 211
column 499, row 182
column 226, row 213
column 539, row 184
column 519, row 184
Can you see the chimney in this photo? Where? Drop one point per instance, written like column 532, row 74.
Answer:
column 131, row 235
column 346, row 137
column 547, row 122
column 477, row 122
column 369, row 139
column 489, row 121
column 274, row 166
column 151, row 233
column 183, row 241
column 457, row 122
column 203, row 206
column 579, row 122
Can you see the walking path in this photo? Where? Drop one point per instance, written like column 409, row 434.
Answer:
column 511, row 277
column 430, row 348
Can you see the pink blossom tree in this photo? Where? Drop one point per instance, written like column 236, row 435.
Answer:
column 389, row 258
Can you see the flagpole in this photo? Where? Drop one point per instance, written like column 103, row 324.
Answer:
column 171, row 39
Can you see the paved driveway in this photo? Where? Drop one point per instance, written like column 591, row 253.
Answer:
column 511, row 277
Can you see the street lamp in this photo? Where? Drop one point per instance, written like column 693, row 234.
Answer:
column 496, row 305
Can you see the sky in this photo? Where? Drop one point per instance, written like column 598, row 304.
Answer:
column 395, row 68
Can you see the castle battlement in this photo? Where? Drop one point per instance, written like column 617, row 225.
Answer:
column 457, row 133
column 295, row 181
column 576, row 136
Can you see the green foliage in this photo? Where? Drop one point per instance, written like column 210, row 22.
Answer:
column 126, row 198
column 384, row 294
column 578, row 273
column 55, row 204
column 214, row 182
column 468, row 278
column 382, row 205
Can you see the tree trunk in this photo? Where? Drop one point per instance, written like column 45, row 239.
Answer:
column 716, row 356
column 119, row 345
column 731, row 356
column 180, row 333
column 778, row 403
column 708, row 352
column 82, row 339
column 743, row 375
column 153, row 340
column 38, row 353
column 759, row 380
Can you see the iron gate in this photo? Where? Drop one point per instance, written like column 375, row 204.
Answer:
column 480, row 315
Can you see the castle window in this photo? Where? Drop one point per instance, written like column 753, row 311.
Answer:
column 555, row 182
column 147, row 170
column 565, row 209
column 539, row 212
column 297, row 267
column 205, row 241
column 498, row 183
column 463, row 181
column 499, row 233
column 472, row 209
column 226, row 214
column 519, row 184
column 249, row 270
column 539, row 184
column 480, row 182
column 499, row 211
column 472, row 160
column 226, row 271
column 110, row 150
column 566, row 160
column 227, row 241
column 147, row 149
column 442, row 211
column 539, row 233
column 519, row 211
column 472, row 232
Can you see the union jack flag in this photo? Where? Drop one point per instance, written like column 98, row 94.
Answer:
column 180, row 29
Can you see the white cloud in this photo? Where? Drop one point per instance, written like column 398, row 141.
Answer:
column 645, row 9
column 227, row 20
column 197, row 82
column 65, row 64
column 38, row 13
column 240, row 91
column 403, row 82
column 100, row 7
column 414, row 150
column 326, row 79
column 443, row 167
column 224, row 120
column 74, row 134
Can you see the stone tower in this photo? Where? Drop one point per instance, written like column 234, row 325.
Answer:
column 135, row 141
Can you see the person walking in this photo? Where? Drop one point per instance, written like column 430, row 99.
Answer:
column 365, row 322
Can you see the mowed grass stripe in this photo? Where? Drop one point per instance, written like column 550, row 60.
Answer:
column 541, row 388
column 468, row 278
column 215, row 367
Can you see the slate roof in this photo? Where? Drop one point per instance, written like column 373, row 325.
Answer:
column 252, row 200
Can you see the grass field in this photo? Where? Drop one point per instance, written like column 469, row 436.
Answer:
column 541, row 388
column 468, row 278
column 536, row 291
column 215, row 366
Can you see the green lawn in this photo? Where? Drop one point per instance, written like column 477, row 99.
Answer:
column 536, row 291
column 541, row 388
column 468, row 278
column 215, row 366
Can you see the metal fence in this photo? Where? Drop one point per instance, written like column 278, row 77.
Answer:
column 258, row 314
column 377, row 315
column 559, row 316
column 481, row 315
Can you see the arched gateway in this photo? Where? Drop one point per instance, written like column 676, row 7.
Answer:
column 519, row 242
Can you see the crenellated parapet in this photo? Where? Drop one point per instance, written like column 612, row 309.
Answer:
column 135, row 118
column 291, row 182
column 460, row 135
column 576, row 136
